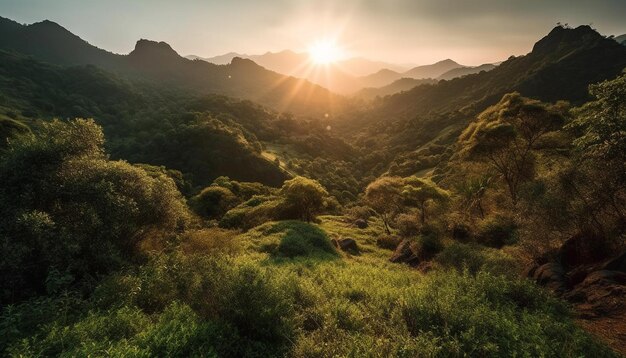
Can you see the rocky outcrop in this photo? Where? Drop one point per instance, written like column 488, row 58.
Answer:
column 347, row 244
column 406, row 252
column 360, row 223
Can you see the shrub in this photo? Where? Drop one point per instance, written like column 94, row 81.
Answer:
column 237, row 307
column 428, row 245
column 303, row 198
column 213, row 202
column 408, row 225
column 359, row 212
column 493, row 316
column 496, row 231
column 301, row 239
column 388, row 242
column 66, row 207
column 210, row 241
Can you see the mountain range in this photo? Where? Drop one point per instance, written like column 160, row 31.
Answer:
column 157, row 61
column 354, row 74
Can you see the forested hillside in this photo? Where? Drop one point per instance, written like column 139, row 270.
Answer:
column 152, row 205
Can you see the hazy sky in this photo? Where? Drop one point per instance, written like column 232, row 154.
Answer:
column 401, row 31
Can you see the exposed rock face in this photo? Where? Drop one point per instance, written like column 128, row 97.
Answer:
column 551, row 275
column 347, row 245
column 596, row 288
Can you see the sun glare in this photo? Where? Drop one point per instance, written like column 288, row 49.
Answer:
column 324, row 52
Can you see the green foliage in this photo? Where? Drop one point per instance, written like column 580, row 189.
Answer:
column 419, row 192
column 476, row 258
column 213, row 202
column 505, row 136
column 66, row 208
column 496, row 231
column 602, row 122
column 385, row 196
column 303, row 197
column 300, row 239
column 490, row 315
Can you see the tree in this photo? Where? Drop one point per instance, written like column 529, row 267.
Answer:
column 384, row 195
column 214, row 201
column 303, row 197
column 65, row 208
column 419, row 192
column 601, row 147
column 505, row 135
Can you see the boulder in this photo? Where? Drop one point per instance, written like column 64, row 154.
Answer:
column 360, row 223
column 602, row 292
column 347, row 245
column 582, row 249
column 552, row 276
column 406, row 252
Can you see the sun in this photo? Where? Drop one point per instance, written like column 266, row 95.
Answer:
column 324, row 52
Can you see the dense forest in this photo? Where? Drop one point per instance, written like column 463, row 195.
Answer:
column 152, row 205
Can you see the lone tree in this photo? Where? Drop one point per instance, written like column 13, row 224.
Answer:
column 304, row 197
column 384, row 195
column 505, row 135
column 418, row 192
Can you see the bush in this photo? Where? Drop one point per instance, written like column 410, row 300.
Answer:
column 496, row 231
column 408, row 225
column 213, row 202
column 209, row 241
column 428, row 245
column 388, row 242
column 301, row 239
column 238, row 308
column 493, row 316
column 67, row 208
column 359, row 212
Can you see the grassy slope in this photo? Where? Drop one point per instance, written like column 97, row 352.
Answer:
column 363, row 305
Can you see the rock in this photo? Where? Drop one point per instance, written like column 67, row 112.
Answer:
column 601, row 292
column 406, row 252
column 360, row 223
column 604, row 276
column 347, row 245
column 582, row 249
column 552, row 276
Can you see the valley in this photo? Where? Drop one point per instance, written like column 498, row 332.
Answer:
column 244, row 206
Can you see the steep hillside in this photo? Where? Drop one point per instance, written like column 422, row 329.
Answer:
column 418, row 125
column 204, row 137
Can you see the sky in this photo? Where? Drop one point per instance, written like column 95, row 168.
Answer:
column 470, row 32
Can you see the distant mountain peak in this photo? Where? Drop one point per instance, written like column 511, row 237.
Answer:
column 145, row 47
column 447, row 61
column 561, row 37
column 243, row 63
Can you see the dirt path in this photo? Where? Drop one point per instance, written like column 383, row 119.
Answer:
column 610, row 330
